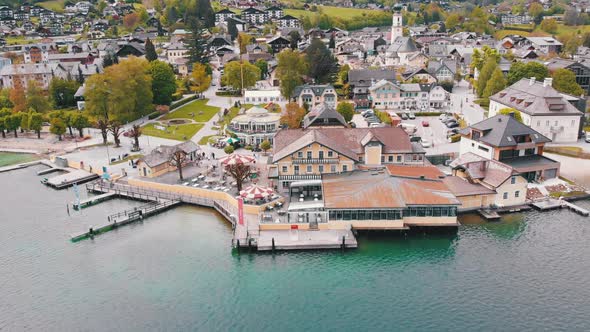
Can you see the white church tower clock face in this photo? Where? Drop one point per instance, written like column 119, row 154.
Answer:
column 396, row 26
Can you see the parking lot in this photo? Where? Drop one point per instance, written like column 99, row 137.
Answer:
column 436, row 133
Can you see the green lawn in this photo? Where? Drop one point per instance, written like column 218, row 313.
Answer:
column 199, row 108
column 344, row 13
column 205, row 139
column 55, row 5
column 561, row 30
column 9, row 158
column 131, row 157
column 233, row 112
column 180, row 132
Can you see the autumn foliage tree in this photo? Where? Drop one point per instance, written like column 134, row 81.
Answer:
column 130, row 20
column 293, row 115
column 200, row 80
column 18, row 98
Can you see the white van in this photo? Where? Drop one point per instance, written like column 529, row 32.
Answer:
column 409, row 128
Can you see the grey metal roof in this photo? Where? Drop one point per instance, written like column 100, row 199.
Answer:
column 499, row 131
column 321, row 113
column 364, row 77
column 533, row 98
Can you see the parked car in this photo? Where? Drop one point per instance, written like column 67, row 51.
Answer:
column 412, row 116
column 403, row 115
column 368, row 113
column 447, row 119
column 442, row 116
column 587, row 137
column 452, row 132
column 425, row 123
column 425, row 143
column 452, row 124
column 415, row 139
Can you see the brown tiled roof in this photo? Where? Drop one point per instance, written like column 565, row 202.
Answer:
column 377, row 189
column 460, row 187
column 346, row 141
column 428, row 172
column 488, row 171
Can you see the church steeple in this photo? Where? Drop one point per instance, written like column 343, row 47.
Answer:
column 396, row 26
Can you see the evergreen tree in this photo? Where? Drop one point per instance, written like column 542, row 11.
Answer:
column 232, row 29
column 322, row 64
column 150, row 51
column 107, row 60
column 294, row 38
column 80, row 76
column 198, row 46
column 332, row 44
column 496, row 83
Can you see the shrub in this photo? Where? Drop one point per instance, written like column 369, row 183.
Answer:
column 228, row 149
column 228, row 93
column 428, row 113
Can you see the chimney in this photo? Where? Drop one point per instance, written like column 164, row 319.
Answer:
column 532, row 80
column 547, row 82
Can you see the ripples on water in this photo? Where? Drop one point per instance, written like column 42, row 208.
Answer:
column 176, row 271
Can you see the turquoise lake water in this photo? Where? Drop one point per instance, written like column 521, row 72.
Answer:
column 177, row 272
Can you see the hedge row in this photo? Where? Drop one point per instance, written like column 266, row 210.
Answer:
column 228, row 93
column 428, row 113
column 154, row 115
column 182, row 102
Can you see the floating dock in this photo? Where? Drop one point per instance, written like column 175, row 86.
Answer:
column 93, row 200
column 124, row 218
column 552, row 203
column 70, row 178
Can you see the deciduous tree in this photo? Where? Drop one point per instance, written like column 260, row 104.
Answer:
column 135, row 132
column 240, row 172
column 80, row 121
column 35, row 98
column 293, row 115
column 236, row 71
column 564, row 81
column 36, row 123
column 163, row 82
column 177, row 159
column 244, row 40
column 484, row 76
column 520, row 70
column 57, row 127
column 115, row 129
column 200, row 80
column 495, row 84
column 263, row 66
column 18, row 98
column 265, row 145
column 346, row 110
column 130, row 21
column 62, row 91
column 515, row 113
column 290, row 70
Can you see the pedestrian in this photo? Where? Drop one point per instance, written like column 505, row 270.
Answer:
column 213, row 155
column 68, row 209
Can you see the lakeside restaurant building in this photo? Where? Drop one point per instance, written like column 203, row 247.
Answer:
column 255, row 126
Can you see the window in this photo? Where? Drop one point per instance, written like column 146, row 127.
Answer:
column 285, row 169
column 390, row 159
column 382, row 159
column 321, row 168
column 505, row 196
column 330, row 154
column 517, row 193
column 299, row 154
column 285, row 184
column 513, row 180
column 309, row 169
column 399, row 159
column 321, row 153
column 296, row 169
column 344, row 168
column 333, row 169
column 483, row 148
column 308, row 154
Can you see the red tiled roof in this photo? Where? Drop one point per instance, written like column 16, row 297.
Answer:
column 428, row 172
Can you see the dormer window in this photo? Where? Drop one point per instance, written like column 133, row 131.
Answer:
column 512, row 99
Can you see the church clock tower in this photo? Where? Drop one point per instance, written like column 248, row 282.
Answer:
column 396, row 26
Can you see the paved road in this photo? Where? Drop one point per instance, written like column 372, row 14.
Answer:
column 436, row 133
column 462, row 103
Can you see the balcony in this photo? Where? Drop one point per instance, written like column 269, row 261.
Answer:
column 315, row 160
column 251, row 131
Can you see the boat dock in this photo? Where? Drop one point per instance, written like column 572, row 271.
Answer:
column 551, row 203
column 488, row 214
column 125, row 217
column 93, row 200
column 69, row 179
